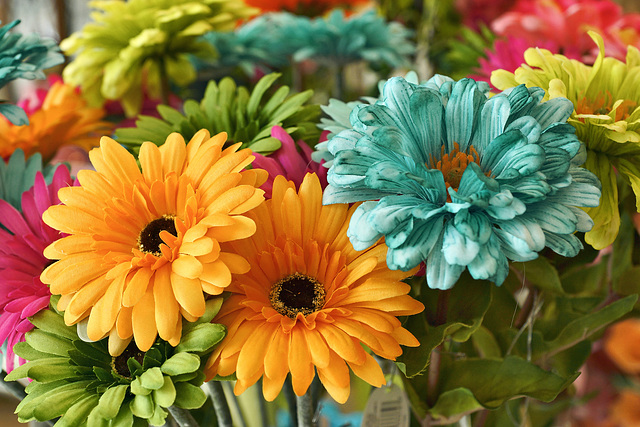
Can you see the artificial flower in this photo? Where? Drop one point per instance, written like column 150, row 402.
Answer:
column 476, row 13
column 247, row 116
column 22, row 293
column 622, row 345
column 64, row 118
column 605, row 118
column 292, row 160
column 84, row 385
column 310, row 301
column 17, row 175
column 304, row 7
column 23, row 56
column 566, row 22
column 362, row 37
column 256, row 46
column 143, row 249
column 506, row 54
column 462, row 181
column 150, row 38
column 625, row 411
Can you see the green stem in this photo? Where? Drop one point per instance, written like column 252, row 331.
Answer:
column 305, row 409
column 182, row 416
column 338, row 81
column 220, row 404
column 15, row 388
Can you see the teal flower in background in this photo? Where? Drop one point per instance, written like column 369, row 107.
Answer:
column 19, row 174
column 264, row 43
column 461, row 181
column 365, row 37
column 23, row 57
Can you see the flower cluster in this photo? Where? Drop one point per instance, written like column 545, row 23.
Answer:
column 275, row 233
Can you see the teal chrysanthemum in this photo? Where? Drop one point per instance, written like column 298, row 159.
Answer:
column 82, row 384
column 260, row 44
column 24, row 57
column 359, row 37
column 461, row 181
column 18, row 174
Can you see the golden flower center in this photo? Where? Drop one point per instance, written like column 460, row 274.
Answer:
column 453, row 164
column 297, row 293
column 602, row 104
column 149, row 240
column 119, row 363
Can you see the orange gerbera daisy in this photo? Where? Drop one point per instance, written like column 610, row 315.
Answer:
column 63, row 119
column 143, row 249
column 310, row 300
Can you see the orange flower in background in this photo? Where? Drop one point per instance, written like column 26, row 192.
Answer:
column 622, row 345
column 143, row 249
column 64, row 118
column 310, row 301
column 625, row 411
column 304, row 7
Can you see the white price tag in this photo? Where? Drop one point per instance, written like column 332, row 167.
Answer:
column 387, row 406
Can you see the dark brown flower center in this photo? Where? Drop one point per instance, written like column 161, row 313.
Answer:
column 149, row 240
column 119, row 363
column 297, row 293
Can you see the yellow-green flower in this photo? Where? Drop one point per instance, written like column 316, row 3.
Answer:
column 140, row 41
column 606, row 97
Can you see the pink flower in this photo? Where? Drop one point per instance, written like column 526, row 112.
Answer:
column 288, row 161
column 566, row 22
column 507, row 54
column 22, row 294
column 476, row 12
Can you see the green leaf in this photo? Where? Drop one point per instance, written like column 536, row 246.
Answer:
column 189, row 396
column 152, row 379
column 27, row 352
column 165, row 395
column 181, row 363
column 485, row 343
column 585, row 326
column 61, row 369
column 628, row 282
column 137, row 388
column 14, row 114
column 111, row 400
column 467, row 306
column 258, row 91
column 48, row 321
column 202, row 338
column 453, row 405
column 142, row 406
column 23, row 371
column 540, row 273
column 78, row 413
column 48, row 343
column 494, row 381
column 56, row 402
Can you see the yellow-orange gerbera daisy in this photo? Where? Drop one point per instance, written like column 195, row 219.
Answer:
column 143, row 249
column 310, row 300
column 63, row 119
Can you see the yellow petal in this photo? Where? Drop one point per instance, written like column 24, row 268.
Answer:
column 300, row 361
column 369, row 371
column 187, row 266
column 136, row 286
column 167, row 312
column 144, row 322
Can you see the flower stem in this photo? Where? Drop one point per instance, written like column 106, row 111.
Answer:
column 220, row 404
column 290, row 397
column 305, row 409
column 15, row 388
column 182, row 416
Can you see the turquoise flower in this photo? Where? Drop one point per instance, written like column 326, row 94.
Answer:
column 461, row 181
column 360, row 37
column 23, row 57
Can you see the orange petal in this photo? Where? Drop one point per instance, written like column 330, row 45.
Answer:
column 217, row 274
column 300, row 361
column 187, row 266
column 251, row 357
column 144, row 323
column 335, row 379
column 167, row 312
column 124, row 325
column 136, row 286
column 369, row 371
column 342, row 343
column 116, row 344
column 188, row 293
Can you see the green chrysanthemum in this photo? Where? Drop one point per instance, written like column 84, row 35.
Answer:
column 606, row 97
column 247, row 117
column 24, row 57
column 137, row 38
column 82, row 384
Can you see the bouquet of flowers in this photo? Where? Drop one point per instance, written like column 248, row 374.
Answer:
column 324, row 213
